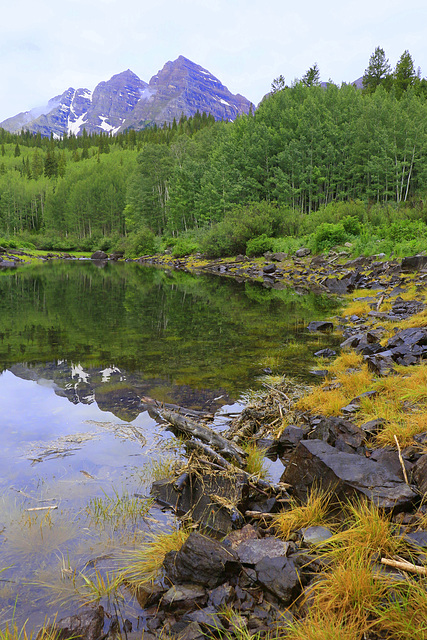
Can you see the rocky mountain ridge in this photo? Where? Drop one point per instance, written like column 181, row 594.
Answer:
column 180, row 87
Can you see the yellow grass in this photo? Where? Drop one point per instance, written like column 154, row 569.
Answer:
column 313, row 512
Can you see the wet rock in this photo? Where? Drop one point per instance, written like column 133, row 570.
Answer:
column 408, row 346
column 87, row 625
column 413, row 263
column 222, row 596
column 201, row 561
column 320, row 325
column 251, row 552
column 312, row 536
column 280, row 577
column 185, row 630
column 99, row 255
column 337, row 432
column 207, row 618
column 188, row 596
column 196, row 495
column 419, row 474
column 345, row 475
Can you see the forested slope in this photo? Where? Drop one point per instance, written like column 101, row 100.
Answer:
column 286, row 167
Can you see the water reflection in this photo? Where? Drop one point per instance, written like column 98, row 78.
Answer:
column 79, row 347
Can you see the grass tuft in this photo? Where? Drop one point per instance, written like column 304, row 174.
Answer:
column 313, row 512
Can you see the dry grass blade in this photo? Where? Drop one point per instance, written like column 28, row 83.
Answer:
column 313, row 512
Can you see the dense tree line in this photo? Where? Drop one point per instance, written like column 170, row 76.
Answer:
column 306, row 146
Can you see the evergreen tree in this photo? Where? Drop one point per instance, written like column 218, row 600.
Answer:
column 377, row 72
column 278, row 84
column 404, row 73
column 312, row 76
column 17, row 151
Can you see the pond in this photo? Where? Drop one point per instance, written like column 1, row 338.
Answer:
column 80, row 345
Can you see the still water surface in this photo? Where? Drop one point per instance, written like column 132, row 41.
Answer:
column 79, row 346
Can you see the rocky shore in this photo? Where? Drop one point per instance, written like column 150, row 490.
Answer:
column 251, row 564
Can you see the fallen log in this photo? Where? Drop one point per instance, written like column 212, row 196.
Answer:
column 148, row 403
column 226, row 448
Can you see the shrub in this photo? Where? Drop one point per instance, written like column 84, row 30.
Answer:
column 258, row 246
column 329, row 235
column 184, row 246
column 144, row 242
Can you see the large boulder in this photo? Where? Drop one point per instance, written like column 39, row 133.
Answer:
column 346, row 475
column 99, row 255
column 200, row 560
column 413, row 263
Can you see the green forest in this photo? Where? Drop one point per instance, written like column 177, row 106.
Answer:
column 316, row 164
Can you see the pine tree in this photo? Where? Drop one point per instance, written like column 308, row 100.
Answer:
column 377, row 72
column 404, row 73
column 311, row 77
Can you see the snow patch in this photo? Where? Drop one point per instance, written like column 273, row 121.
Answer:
column 78, row 371
column 225, row 102
column 74, row 127
column 105, row 126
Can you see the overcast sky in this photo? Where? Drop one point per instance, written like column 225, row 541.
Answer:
column 47, row 46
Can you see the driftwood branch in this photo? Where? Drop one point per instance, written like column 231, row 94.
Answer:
column 402, row 565
column 201, row 432
column 151, row 403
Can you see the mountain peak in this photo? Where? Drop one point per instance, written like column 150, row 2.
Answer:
column 123, row 101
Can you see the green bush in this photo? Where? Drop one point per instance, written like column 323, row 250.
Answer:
column 328, row 235
column 141, row 243
column 184, row 247
column 231, row 235
column 258, row 246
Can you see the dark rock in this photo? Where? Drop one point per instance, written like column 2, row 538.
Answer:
column 325, row 353
column 280, row 577
column 185, row 630
column 116, row 255
column 337, row 286
column 390, row 459
column 373, row 426
column 301, row 253
column 380, row 364
column 87, row 624
column 196, row 496
column 234, row 538
column 251, row 552
column 346, row 475
column 320, row 373
column 413, row 263
column 200, row 560
column 331, row 429
column 419, row 474
column 207, row 618
column 269, row 268
column 320, row 325
column 99, row 255
column 189, row 596
column 290, row 437
column 279, row 256
column 221, row 596
column 417, row 539
column 269, row 447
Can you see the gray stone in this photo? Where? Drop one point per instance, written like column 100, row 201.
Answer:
column 99, row 255
column 280, row 577
column 346, row 475
column 301, row 253
column 87, row 624
column 419, row 474
column 207, row 618
column 200, row 560
column 190, row 595
column 323, row 326
column 315, row 535
column 413, row 263
column 331, row 429
column 221, row 596
column 252, row 551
